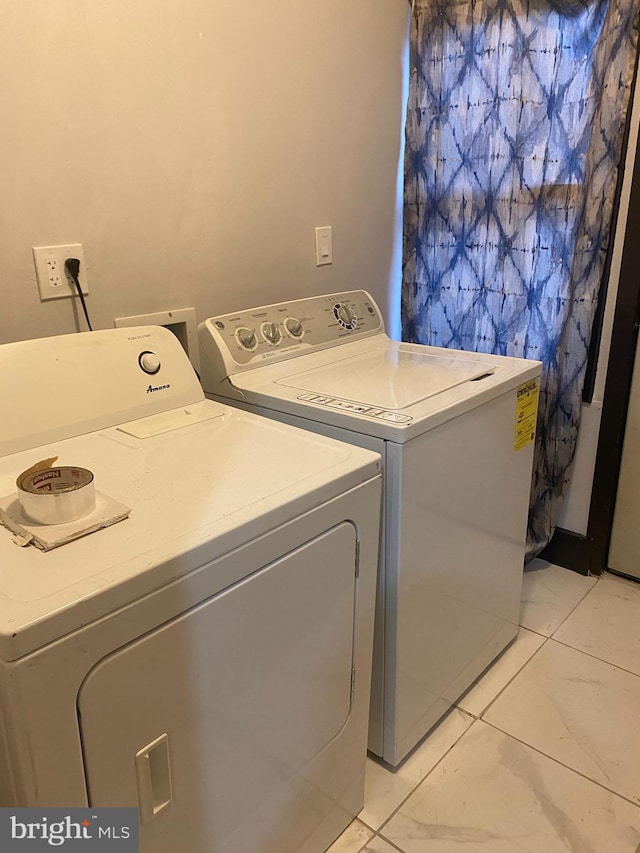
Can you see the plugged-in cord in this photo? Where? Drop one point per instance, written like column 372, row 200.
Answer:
column 72, row 266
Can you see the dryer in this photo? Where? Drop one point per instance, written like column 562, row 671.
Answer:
column 456, row 434
column 207, row 659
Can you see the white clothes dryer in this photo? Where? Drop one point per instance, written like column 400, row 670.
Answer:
column 207, row 659
column 456, row 433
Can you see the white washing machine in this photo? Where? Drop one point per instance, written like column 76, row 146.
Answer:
column 456, row 433
column 208, row 657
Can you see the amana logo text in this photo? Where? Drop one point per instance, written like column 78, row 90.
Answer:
column 153, row 388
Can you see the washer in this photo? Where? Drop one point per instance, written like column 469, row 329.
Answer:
column 208, row 658
column 456, row 433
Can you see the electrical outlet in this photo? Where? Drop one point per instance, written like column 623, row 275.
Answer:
column 54, row 282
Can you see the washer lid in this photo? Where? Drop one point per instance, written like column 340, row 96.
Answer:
column 393, row 376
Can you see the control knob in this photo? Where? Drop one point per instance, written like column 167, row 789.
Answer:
column 271, row 333
column 344, row 315
column 294, row 327
column 246, row 338
column 149, row 362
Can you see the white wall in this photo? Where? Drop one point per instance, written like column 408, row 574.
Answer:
column 192, row 146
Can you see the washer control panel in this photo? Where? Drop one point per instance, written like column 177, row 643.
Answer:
column 250, row 337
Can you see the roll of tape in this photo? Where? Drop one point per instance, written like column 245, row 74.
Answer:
column 56, row 495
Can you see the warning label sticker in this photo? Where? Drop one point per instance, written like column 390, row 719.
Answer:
column 526, row 413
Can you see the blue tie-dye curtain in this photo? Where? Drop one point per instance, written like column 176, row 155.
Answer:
column 514, row 132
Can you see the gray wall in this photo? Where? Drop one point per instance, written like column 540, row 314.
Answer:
column 192, row 146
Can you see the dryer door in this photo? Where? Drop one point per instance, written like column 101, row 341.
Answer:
column 215, row 722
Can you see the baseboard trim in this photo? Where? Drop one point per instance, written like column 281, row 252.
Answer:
column 571, row 551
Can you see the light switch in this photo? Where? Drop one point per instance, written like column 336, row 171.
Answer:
column 324, row 248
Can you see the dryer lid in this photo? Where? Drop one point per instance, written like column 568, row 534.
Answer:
column 391, row 376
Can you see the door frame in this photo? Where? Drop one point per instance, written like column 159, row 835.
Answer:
column 588, row 554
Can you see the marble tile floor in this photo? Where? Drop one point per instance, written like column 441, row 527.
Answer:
column 542, row 754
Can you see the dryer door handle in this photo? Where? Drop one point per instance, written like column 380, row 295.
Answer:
column 153, row 774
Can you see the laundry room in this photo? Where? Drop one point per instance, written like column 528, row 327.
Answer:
column 230, row 166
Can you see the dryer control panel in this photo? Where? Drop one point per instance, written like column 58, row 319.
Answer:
column 252, row 337
column 89, row 381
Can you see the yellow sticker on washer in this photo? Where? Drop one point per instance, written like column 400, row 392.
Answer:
column 526, row 413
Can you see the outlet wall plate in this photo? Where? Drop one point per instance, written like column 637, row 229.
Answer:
column 54, row 282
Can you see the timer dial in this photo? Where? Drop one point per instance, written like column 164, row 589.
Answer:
column 344, row 315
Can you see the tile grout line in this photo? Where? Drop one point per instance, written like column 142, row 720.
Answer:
column 515, row 675
column 593, row 657
column 390, row 843
column 561, row 764
column 532, row 631
column 377, row 835
column 426, row 776
column 564, row 619
column 552, row 635
column 573, row 609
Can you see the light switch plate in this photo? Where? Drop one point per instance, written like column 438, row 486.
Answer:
column 324, row 246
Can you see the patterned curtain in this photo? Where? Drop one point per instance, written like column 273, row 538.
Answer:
column 514, row 133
